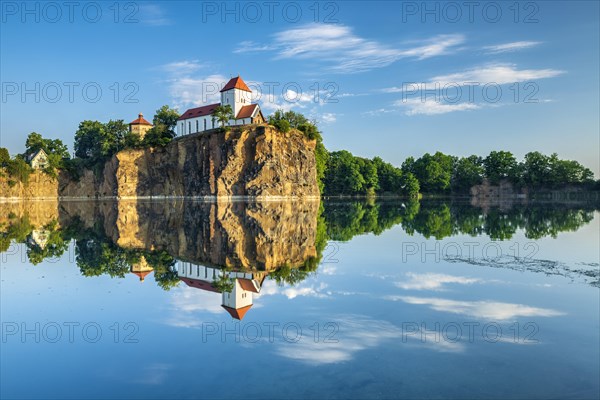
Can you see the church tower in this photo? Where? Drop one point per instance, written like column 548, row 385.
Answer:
column 236, row 94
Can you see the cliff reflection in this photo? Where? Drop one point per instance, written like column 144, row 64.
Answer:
column 231, row 248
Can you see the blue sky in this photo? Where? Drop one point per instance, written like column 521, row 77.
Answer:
column 382, row 78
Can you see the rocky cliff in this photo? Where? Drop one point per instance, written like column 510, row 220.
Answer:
column 40, row 186
column 254, row 161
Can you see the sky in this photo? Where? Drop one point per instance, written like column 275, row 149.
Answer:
column 388, row 79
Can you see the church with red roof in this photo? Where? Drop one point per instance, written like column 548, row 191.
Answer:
column 238, row 300
column 235, row 94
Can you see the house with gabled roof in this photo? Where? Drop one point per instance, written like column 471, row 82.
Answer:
column 235, row 94
column 38, row 160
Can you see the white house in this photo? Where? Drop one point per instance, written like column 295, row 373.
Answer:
column 236, row 94
column 39, row 237
column 38, row 160
column 238, row 301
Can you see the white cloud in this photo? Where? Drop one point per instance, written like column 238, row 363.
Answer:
column 328, row 118
column 512, row 46
column 187, row 305
column 415, row 98
column 431, row 281
column 286, row 101
column 490, row 310
column 345, row 51
column 150, row 14
column 432, row 106
column 357, row 333
column 304, row 289
column 182, row 68
column 188, row 87
column 499, row 74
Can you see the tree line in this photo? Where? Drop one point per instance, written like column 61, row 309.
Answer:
column 338, row 172
column 97, row 254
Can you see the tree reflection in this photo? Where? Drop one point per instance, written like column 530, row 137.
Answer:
column 99, row 253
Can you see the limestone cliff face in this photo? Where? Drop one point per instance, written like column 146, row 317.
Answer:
column 253, row 161
column 40, row 185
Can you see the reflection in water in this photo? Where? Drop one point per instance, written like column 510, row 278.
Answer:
column 231, row 248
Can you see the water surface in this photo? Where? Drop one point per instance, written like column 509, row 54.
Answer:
column 341, row 299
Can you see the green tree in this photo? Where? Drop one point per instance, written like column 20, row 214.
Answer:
column 433, row 172
column 389, row 177
column 567, row 172
column 368, row 170
column 468, row 171
column 500, row 165
column 223, row 114
column 168, row 117
column 223, row 283
column 294, row 119
column 90, row 141
column 410, row 185
column 19, row 169
column 115, row 133
column 343, row 174
column 157, row 136
column 4, row 156
column 536, row 169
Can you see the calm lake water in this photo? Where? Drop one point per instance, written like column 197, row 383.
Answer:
column 388, row 299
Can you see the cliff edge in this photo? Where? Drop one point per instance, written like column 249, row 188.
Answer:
column 254, row 161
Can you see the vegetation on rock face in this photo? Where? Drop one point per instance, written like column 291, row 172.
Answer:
column 286, row 120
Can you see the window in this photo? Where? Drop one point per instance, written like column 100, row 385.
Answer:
column 182, row 130
column 197, row 126
column 189, row 126
column 204, row 123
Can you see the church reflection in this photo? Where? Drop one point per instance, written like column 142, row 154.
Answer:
column 237, row 288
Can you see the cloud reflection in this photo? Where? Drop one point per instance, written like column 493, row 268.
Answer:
column 484, row 309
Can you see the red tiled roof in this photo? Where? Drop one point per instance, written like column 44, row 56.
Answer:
column 247, row 284
column 197, row 283
column 140, row 121
column 237, row 83
column 199, row 111
column 237, row 313
column 247, row 111
column 142, row 275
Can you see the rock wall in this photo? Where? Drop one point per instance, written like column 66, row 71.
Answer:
column 40, row 186
column 254, row 161
column 257, row 161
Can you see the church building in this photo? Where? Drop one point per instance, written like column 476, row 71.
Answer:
column 235, row 94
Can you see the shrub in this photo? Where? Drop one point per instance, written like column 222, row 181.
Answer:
column 282, row 125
